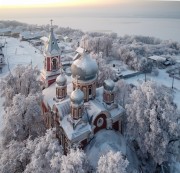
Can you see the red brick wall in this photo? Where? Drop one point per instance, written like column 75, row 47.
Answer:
column 48, row 64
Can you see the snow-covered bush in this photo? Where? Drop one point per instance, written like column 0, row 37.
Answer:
column 74, row 162
column 112, row 162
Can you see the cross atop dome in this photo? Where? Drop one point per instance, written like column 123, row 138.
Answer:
column 51, row 23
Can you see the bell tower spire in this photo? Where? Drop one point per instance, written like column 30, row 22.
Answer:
column 52, row 54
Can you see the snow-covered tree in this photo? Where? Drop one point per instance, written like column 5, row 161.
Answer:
column 41, row 155
column 105, row 71
column 112, row 162
column 46, row 154
column 74, row 162
column 23, row 119
column 122, row 93
column 14, row 157
column 152, row 120
column 23, row 79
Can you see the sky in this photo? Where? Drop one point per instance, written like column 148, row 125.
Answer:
column 62, row 3
column 12, row 9
column 55, row 3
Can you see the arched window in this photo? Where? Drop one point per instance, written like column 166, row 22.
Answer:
column 90, row 91
column 54, row 64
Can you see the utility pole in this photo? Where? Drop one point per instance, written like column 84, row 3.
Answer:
column 173, row 80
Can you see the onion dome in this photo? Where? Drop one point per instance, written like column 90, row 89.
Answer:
column 61, row 80
column 85, row 67
column 77, row 96
column 109, row 85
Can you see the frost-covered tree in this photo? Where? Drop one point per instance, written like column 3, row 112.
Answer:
column 23, row 119
column 23, row 79
column 14, row 157
column 112, row 162
column 46, row 154
column 152, row 120
column 105, row 71
column 41, row 155
column 123, row 91
column 74, row 162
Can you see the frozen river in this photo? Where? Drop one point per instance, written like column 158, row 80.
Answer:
column 163, row 28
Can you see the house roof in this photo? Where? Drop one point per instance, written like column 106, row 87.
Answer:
column 157, row 58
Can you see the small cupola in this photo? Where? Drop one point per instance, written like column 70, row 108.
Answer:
column 108, row 94
column 77, row 103
column 61, row 86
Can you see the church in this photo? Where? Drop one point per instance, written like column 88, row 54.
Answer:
column 74, row 105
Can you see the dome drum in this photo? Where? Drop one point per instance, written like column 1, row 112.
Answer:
column 77, row 112
column 89, row 90
column 108, row 97
column 61, row 92
column 77, row 103
column 108, row 94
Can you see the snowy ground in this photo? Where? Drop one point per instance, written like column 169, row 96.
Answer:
column 21, row 52
column 17, row 52
column 164, row 79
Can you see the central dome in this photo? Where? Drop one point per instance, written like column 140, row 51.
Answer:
column 84, row 67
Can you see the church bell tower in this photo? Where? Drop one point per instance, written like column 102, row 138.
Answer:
column 52, row 61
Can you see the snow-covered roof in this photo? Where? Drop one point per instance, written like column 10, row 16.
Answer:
column 80, row 132
column 63, row 108
column 52, row 48
column 157, row 58
column 106, row 140
column 50, row 93
column 44, row 39
column 31, row 35
column 5, row 30
column 80, row 50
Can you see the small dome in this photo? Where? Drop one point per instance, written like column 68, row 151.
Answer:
column 61, row 80
column 77, row 96
column 85, row 67
column 109, row 85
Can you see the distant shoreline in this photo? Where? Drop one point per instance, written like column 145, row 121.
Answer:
column 163, row 28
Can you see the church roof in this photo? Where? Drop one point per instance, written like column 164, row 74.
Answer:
column 78, row 133
column 52, row 48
